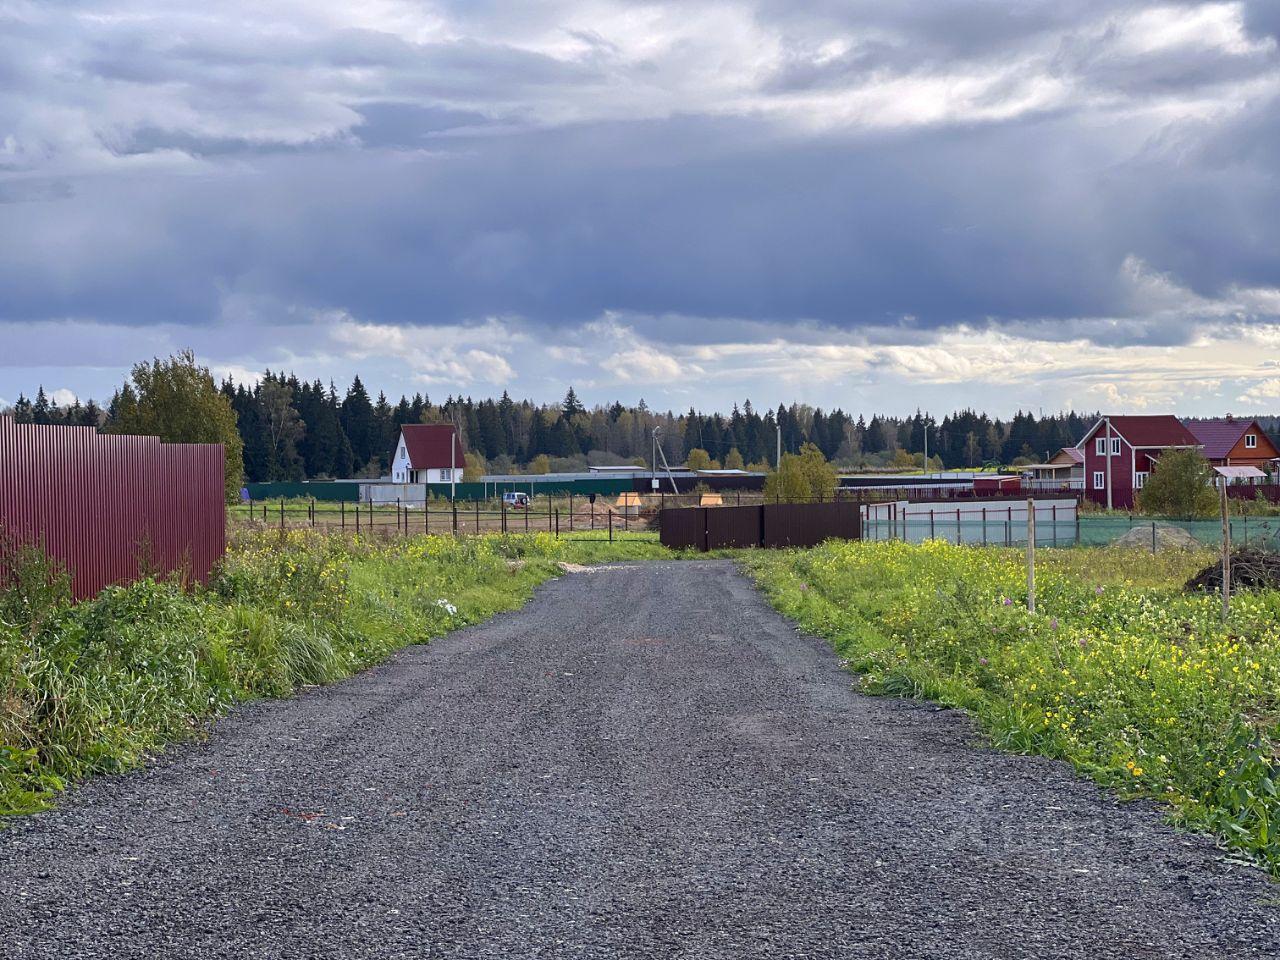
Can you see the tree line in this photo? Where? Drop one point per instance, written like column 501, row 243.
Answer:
column 294, row 429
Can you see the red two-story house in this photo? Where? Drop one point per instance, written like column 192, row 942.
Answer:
column 1119, row 453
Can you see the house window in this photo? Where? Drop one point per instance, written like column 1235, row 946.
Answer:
column 1115, row 446
column 1098, row 480
column 1251, row 440
column 446, row 474
column 1140, row 479
column 1100, row 447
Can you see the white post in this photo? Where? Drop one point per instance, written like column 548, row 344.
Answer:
column 453, row 458
column 1031, row 554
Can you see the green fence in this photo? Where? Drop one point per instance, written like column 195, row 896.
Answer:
column 318, row 490
column 1260, row 532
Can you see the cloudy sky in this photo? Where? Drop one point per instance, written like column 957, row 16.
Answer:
column 879, row 204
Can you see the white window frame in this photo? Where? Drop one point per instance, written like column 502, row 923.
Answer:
column 446, row 474
column 1100, row 446
column 1139, row 479
column 1099, row 480
column 1115, row 446
column 1251, row 441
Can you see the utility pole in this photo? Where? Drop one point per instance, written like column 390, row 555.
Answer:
column 926, row 444
column 778, row 462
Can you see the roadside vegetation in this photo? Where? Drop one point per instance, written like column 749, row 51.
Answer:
column 97, row 686
column 1135, row 681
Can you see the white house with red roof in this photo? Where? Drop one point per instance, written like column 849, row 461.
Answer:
column 428, row 453
column 1120, row 453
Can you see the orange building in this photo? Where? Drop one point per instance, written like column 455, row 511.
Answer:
column 1229, row 442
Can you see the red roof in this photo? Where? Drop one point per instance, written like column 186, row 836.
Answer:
column 428, row 445
column 1160, row 430
column 1221, row 435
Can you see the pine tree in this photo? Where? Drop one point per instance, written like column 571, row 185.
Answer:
column 572, row 405
column 358, row 424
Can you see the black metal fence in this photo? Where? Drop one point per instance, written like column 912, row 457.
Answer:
column 760, row 525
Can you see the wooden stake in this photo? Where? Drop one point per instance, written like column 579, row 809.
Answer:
column 1031, row 555
column 1226, row 552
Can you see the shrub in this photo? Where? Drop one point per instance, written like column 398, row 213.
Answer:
column 1181, row 485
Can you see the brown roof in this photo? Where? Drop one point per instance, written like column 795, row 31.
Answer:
column 428, row 445
column 1159, row 430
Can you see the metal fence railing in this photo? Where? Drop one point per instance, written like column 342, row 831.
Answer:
column 431, row 516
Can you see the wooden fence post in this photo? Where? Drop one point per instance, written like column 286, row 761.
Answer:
column 1226, row 552
column 1031, row 555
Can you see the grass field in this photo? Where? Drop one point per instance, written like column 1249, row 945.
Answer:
column 98, row 686
column 1136, row 683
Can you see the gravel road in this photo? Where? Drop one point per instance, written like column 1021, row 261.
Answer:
column 644, row 762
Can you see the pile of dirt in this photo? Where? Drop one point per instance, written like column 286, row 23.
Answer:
column 1249, row 569
column 1166, row 538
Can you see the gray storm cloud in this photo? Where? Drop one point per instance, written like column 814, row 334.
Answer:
column 863, row 168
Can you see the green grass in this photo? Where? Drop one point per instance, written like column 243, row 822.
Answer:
column 1136, row 683
column 98, row 686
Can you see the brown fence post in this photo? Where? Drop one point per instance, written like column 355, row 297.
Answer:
column 454, row 504
column 611, row 526
column 557, row 523
column 343, row 509
column 282, row 513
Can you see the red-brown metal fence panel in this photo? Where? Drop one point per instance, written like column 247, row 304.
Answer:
column 109, row 506
column 734, row 527
column 683, row 528
column 808, row 524
column 768, row 525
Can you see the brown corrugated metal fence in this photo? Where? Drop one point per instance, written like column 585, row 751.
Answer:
column 767, row 525
column 112, row 507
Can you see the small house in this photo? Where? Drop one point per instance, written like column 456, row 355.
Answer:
column 1063, row 471
column 428, row 453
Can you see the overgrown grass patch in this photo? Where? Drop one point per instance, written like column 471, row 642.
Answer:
column 96, row 687
column 1136, row 683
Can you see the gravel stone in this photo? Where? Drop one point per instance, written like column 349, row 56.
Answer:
column 645, row 761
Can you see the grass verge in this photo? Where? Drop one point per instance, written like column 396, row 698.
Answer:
column 95, row 687
column 1139, row 685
